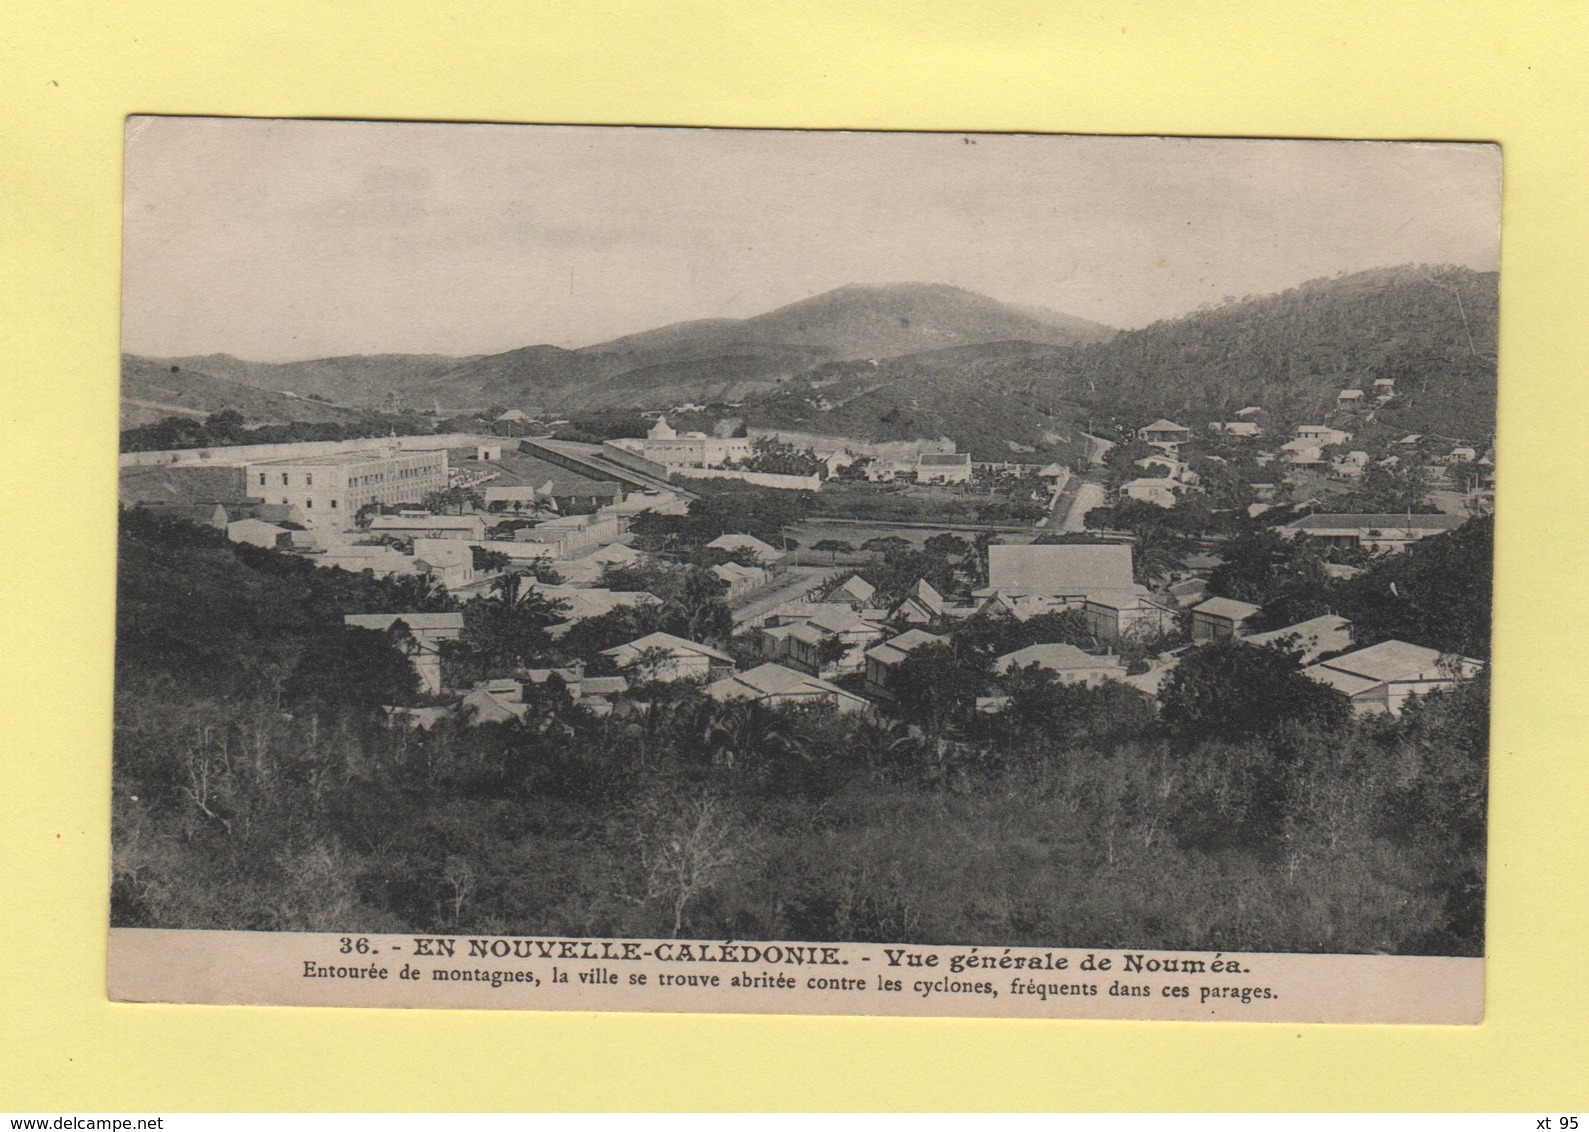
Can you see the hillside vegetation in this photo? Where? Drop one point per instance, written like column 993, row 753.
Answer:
column 1433, row 330
column 915, row 360
column 152, row 391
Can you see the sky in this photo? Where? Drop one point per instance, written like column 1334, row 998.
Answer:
column 278, row 240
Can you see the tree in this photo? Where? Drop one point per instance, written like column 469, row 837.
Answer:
column 1234, row 691
column 689, row 846
column 454, row 499
column 936, row 684
column 834, row 547
column 830, row 652
column 1436, row 593
column 886, row 546
column 488, row 561
column 361, row 669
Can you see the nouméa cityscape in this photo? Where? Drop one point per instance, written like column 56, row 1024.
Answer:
column 894, row 612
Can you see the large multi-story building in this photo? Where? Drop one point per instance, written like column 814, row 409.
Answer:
column 331, row 488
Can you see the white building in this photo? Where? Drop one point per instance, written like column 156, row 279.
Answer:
column 331, row 488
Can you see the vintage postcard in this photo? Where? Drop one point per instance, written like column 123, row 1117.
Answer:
column 604, row 568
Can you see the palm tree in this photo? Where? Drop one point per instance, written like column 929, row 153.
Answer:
column 743, row 729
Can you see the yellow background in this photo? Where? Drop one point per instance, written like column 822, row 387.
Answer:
column 1514, row 72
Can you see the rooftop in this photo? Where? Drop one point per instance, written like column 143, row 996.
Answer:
column 1056, row 657
column 1315, row 636
column 1226, row 607
column 945, row 459
column 345, row 459
column 895, row 649
column 1391, row 660
column 1074, row 568
column 771, row 680
column 668, row 642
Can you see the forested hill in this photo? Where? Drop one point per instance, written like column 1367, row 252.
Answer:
column 1432, row 329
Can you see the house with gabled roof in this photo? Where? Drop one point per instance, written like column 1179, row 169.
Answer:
column 740, row 580
column 1069, row 663
column 667, row 657
column 1164, row 432
column 494, row 701
column 449, row 561
column 776, row 684
column 257, row 533
column 855, row 589
column 1310, row 639
column 883, row 659
column 1381, row 678
column 765, row 555
column 921, row 606
column 1221, row 618
column 802, row 643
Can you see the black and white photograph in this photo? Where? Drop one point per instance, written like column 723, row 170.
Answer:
column 1007, row 548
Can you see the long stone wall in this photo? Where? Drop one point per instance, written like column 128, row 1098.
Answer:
column 878, row 449
column 236, row 455
column 813, row 482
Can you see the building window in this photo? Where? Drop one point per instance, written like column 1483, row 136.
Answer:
column 284, row 481
column 261, row 479
column 308, row 504
column 333, row 505
column 308, row 480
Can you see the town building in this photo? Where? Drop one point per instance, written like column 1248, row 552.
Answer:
column 1159, row 491
column 883, row 659
column 1322, row 435
column 764, row 555
column 1238, row 429
column 449, row 562
column 488, row 452
column 257, row 533
column 664, row 445
column 1310, row 639
column 1389, row 532
column 1164, row 432
column 494, row 701
column 921, row 606
column 1118, row 615
column 1220, row 619
column 801, row 642
column 855, row 589
column 943, row 467
column 331, row 488
column 1381, row 678
column 1069, row 663
column 425, row 632
column 663, row 656
column 776, row 684
column 379, row 561
column 572, row 536
column 1349, row 397
column 740, row 580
